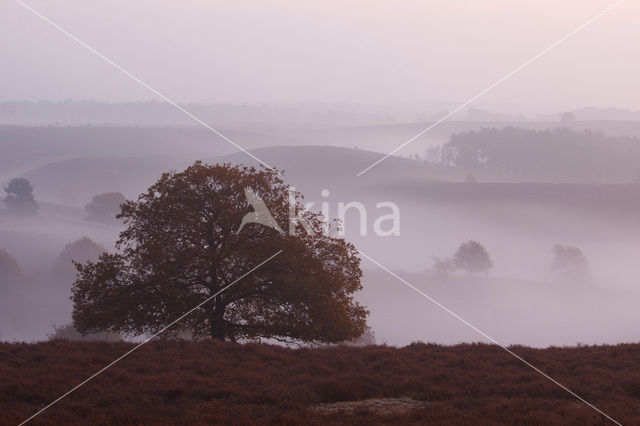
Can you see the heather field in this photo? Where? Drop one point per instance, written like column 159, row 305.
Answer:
column 179, row 382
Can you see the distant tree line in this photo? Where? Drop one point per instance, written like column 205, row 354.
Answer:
column 560, row 154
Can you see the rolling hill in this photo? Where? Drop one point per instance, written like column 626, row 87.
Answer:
column 309, row 168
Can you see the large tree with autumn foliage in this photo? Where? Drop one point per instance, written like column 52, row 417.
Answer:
column 181, row 246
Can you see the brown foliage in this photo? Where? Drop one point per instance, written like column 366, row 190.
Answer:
column 178, row 382
column 181, row 247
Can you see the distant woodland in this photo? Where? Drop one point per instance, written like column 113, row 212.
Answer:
column 556, row 155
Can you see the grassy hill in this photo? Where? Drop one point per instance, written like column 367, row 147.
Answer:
column 74, row 181
column 312, row 168
column 176, row 382
column 26, row 148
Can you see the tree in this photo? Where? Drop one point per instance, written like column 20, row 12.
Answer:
column 69, row 332
column 105, row 207
column 20, row 198
column 80, row 251
column 9, row 268
column 181, row 247
column 443, row 267
column 368, row 338
column 472, row 257
column 567, row 117
column 569, row 262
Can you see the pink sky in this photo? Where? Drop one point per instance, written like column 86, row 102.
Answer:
column 326, row 51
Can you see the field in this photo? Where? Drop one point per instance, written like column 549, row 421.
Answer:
column 178, row 382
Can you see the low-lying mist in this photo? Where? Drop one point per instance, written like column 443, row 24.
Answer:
column 518, row 301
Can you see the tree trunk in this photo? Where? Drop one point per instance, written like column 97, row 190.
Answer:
column 216, row 321
column 218, row 330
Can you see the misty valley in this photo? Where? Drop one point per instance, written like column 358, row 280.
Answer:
column 517, row 206
column 298, row 269
column 319, row 213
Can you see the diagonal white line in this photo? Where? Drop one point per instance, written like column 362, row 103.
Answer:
column 147, row 340
column 467, row 323
column 497, row 83
column 137, row 80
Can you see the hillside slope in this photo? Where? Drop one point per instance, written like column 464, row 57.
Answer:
column 312, row 168
column 73, row 181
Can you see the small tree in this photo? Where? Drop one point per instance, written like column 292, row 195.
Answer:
column 443, row 267
column 20, row 198
column 472, row 257
column 182, row 247
column 569, row 262
column 568, row 116
column 368, row 338
column 69, row 332
column 105, row 207
column 9, row 268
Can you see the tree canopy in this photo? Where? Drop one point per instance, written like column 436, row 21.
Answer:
column 19, row 197
column 181, row 246
column 569, row 262
column 472, row 257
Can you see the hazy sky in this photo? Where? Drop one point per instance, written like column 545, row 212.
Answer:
column 324, row 51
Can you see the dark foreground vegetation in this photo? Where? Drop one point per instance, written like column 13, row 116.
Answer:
column 179, row 382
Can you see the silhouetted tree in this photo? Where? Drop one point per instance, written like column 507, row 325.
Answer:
column 443, row 267
column 567, row 116
column 80, row 251
column 105, row 207
column 472, row 257
column 19, row 197
column 569, row 262
column 181, row 247
column 368, row 338
column 9, row 268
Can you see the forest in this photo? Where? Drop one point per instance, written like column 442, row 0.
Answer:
column 558, row 155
